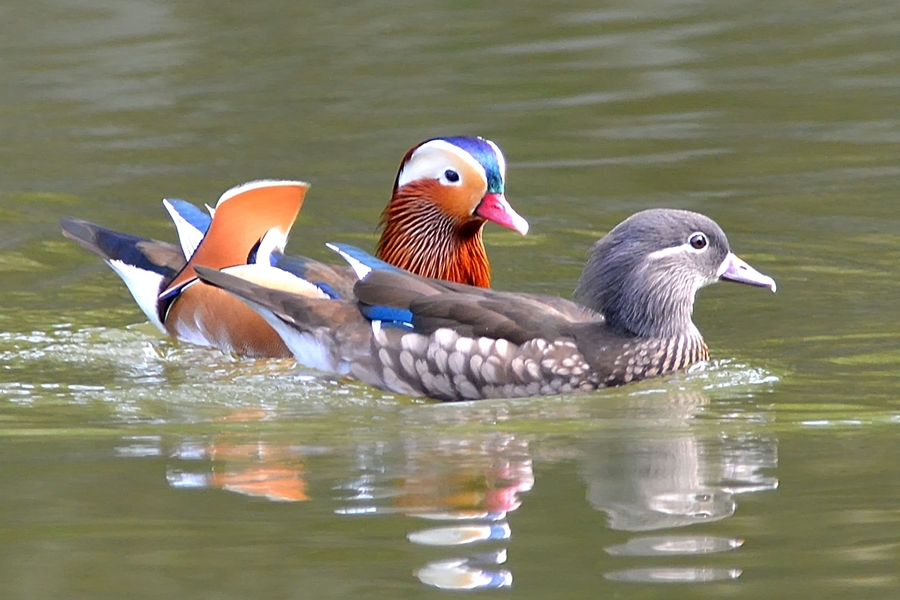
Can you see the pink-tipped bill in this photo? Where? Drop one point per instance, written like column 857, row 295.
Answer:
column 495, row 208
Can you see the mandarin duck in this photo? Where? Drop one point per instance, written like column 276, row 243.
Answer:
column 444, row 193
column 632, row 318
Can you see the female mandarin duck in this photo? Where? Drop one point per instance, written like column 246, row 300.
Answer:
column 445, row 191
column 424, row 337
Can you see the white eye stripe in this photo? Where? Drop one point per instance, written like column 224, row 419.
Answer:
column 683, row 248
column 670, row 251
column 431, row 160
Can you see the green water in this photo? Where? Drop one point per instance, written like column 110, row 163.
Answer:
column 135, row 467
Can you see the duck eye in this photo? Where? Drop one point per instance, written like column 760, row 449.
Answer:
column 451, row 175
column 698, row 241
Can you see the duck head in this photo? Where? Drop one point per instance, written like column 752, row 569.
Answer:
column 644, row 275
column 444, row 193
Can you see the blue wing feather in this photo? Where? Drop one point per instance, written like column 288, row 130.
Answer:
column 388, row 315
column 301, row 267
column 361, row 261
column 190, row 213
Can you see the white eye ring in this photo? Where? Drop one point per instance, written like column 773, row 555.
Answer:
column 698, row 241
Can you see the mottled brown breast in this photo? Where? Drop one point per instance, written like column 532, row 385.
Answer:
column 641, row 359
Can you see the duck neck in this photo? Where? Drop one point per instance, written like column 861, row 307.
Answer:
column 654, row 311
column 638, row 307
column 421, row 238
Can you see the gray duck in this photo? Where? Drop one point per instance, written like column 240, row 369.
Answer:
column 631, row 318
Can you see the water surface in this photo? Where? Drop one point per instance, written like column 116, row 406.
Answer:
column 133, row 466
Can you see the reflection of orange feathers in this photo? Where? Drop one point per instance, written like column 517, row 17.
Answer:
column 259, row 469
column 470, row 488
column 470, row 476
column 275, row 483
column 458, row 492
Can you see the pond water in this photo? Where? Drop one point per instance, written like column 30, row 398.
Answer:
column 132, row 466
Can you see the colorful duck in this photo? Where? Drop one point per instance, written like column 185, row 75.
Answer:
column 445, row 191
column 424, row 337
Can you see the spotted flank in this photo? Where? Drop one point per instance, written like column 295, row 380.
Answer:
column 446, row 366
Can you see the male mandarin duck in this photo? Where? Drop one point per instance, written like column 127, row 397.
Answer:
column 444, row 193
column 424, row 337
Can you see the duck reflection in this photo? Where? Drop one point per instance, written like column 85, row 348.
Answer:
column 467, row 483
column 465, row 477
column 243, row 464
column 671, row 475
column 651, row 461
